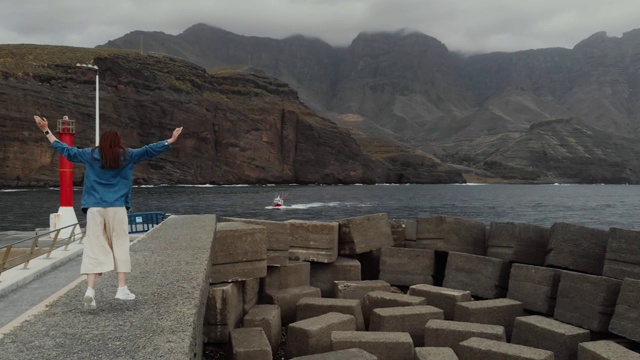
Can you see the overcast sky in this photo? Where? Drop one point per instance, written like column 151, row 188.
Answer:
column 462, row 25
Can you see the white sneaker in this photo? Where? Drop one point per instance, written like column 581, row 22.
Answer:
column 123, row 293
column 89, row 299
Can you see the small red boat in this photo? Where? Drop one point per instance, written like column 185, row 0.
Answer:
column 278, row 202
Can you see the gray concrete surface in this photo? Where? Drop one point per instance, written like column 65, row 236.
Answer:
column 170, row 280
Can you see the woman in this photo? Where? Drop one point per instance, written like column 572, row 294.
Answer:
column 106, row 198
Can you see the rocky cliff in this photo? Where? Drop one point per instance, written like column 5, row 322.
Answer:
column 410, row 88
column 241, row 126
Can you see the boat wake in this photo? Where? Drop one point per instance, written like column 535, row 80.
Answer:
column 309, row 205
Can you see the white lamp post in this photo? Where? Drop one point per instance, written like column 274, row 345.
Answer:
column 94, row 67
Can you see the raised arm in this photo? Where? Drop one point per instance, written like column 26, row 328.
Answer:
column 43, row 125
column 72, row 154
column 148, row 151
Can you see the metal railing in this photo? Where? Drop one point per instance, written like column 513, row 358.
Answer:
column 56, row 243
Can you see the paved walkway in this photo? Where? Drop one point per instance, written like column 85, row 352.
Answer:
column 165, row 321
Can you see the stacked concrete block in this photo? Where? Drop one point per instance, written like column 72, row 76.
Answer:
column 577, row 248
column 268, row 318
column 622, row 259
column 250, row 293
column 343, row 269
column 250, row 344
column 626, row 317
column 314, row 241
column 277, row 239
column 483, row 276
column 406, row 267
column 477, row 348
column 410, row 319
column 313, row 335
column 441, row 297
column 239, row 252
column 288, row 298
column 312, row 307
column 448, row 233
column 410, row 230
column 364, row 233
column 447, row 333
column 586, row 301
column 223, row 312
column 294, row 274
column 495, row 312
column 549, row 334
column 382, row 299
column 605, row 350
column 358, row 289
column 435, row 353
column 348, row 354
column 518, row 242
column 536, row 287
column 397, row 232
column 384, row 345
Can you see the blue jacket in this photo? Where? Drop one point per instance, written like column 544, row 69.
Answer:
column 108, row 187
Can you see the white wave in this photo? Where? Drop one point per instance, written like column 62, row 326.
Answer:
column 309, row 205
column 470, row 184
column 13, row 190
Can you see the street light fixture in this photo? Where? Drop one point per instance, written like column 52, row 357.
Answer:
column 94, row 68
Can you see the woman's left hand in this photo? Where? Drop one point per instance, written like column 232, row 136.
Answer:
column 41, row 122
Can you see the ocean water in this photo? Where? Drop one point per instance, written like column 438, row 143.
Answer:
column 598, row 206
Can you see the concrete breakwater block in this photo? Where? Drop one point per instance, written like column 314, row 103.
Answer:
column 268, row 318
column 477, row 348
column 343, row 269
column 406, row 267
column 495, row 312
column 223, row 312
column 348, row 354
column 447, row 333
column 382, row 299
column 447, row 233
column 518, row 242
column 587, row 301
column 409, row 319
column 536, row 287
column 277, row 238
column 287, row 300
column 441, row 297
column 384, row 345
column 312, row 307
column 250, row 293
column 577, row 248
column 239, row 252
column 622, row 259
column 605, row 350
column 435, row 353
column 483, row 276
column 549, row 334
column 294, row 274
column 626, row 317
column 364, row 233
column 313, row 335
column 250, row 344
column 314, row 241
column 358, row 289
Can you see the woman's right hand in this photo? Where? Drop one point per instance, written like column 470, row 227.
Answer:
column 175, row 135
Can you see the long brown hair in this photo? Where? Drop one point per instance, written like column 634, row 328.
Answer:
column 111, row 150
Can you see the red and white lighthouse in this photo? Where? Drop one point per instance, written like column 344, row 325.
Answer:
column 66, row 215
